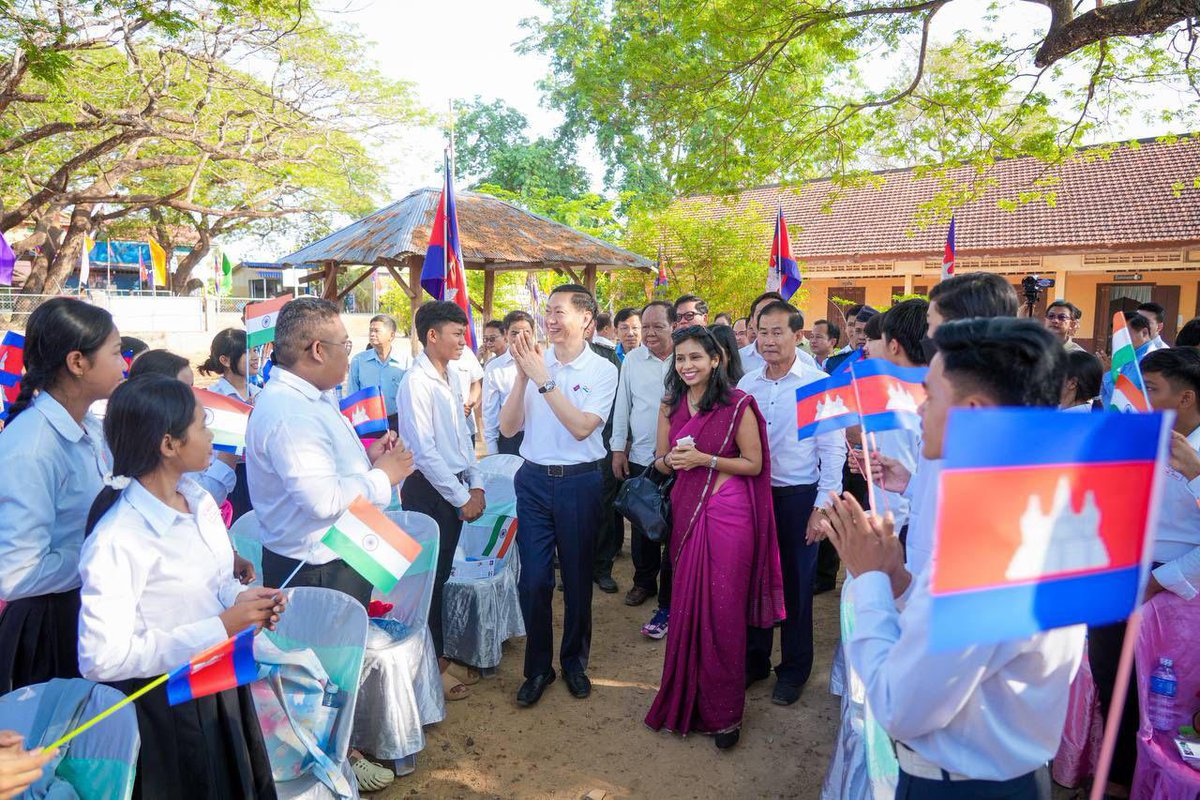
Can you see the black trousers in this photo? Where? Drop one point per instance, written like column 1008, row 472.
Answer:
column 510, row 445
column 334, row 575
column 828, row 562
column 651, row 560
column 558, row 514
column 1032, row 786
column 798, row 561
column 610, row 531
column 1104, row 651
column 418, row 494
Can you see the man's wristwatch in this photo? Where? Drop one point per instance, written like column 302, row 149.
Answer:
column 548, row 386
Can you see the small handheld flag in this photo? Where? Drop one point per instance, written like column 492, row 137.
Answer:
column 844, row 367
column 442, row 274
column 1032, row 538
column 8, row 261
column 227, row 419
column 948, row 253
column 888, row 396
column 366, row 411
column 504, row 531
column 825, row 406
column 127, row 357
column 784, row 274
column 1128, row 389
column 224, row 666
column 12, row 358
column 260, row 320
column 376, row 547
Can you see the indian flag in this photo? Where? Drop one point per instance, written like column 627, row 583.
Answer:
column 226, row 418
column 375, row 546
column 1129, row 392
column 260, row 320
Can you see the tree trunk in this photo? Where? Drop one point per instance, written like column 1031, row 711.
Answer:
column 66, row 259
column 183, row 270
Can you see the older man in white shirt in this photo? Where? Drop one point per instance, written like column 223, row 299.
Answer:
column 752, row 359
column 803, row 474
column 498, row 377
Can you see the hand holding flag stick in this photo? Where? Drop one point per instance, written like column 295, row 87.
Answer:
column 866, row 541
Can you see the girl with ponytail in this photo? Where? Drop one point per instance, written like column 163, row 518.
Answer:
column 158, row 588
column 229, row 359
column 53, row 461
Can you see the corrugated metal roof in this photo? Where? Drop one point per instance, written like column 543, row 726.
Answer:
column 492, row 231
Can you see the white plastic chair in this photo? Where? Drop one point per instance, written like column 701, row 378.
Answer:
column 246, row 537
column 401, row 683
column 479, row 614
column 100, row 763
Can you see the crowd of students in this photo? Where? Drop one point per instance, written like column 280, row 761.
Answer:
column 117, row 566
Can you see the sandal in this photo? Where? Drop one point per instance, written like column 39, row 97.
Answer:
column 453, row 688
column 467, row 676
column 371, row 777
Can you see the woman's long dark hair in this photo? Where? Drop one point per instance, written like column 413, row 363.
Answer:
column 733, row 359
column 230, row 343
column 57, row 328
column 719, row 385
column 140, row 413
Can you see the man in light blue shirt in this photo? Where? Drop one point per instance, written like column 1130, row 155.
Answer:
column 380, row 365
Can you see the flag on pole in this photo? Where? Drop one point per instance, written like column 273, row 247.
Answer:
column 158, row 258
column 783, row 275
column 366, row 411
column 226, row 275
column 224, row 666
column 948, row 253
column 260, row 320
column 376, row 547
column 85, row 260
column 443, row 275
column 227, row 418
column 1033, row 538
column 12, row 358
column 127, row 357
column 143, row 277
column 1128, row 389
column 888, row 396
column 660, row 279
column 8, row 260
column 825, row 406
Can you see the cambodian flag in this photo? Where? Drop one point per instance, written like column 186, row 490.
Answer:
column 1030, row 537
column 888, row 396
column 825, row 406
column 366, row 411
column 783, row 266
column 224, row 666
column 948, row 254
column 444, row 274
column 12, row 358
column 849, row 361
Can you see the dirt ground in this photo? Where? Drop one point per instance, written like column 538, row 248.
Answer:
column 565, row 748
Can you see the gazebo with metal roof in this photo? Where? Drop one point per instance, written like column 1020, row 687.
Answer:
column 495, row 235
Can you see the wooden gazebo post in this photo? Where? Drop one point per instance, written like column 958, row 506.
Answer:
column 589, row 278
column 329, row 290
column 489, row 293
column 414, row 295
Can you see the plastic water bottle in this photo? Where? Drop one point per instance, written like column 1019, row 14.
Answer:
column 1162, row 712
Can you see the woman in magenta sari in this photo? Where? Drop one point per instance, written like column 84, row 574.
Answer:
column 723, row 546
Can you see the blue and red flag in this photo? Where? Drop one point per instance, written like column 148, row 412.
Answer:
column 844, row 367
column 888, row 395
column 783, row 267
column 1030, row 537
column 224, row 666
column 366, row 411
column 660, row 280
column 143, row 276
column 825, row 406
column 948, row 253
column 444, row 274
column 12, row 358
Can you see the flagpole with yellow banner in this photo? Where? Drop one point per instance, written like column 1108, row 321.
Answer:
column 158, row 258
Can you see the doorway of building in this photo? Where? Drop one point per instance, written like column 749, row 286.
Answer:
column 845, row 297
column 1126, row 297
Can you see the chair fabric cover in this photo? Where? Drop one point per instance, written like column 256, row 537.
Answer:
column 401, row 684
column 100, row 763
column 334, row 627
column 246, row 538
column 1075, row 762
column 1170, row 628
column 480, row 614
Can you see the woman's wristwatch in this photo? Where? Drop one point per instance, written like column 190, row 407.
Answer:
column 712, row 463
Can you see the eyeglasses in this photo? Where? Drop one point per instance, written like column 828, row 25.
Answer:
column 688, row 316
column 1060, row 317
column 347, row 345
column 491, row 339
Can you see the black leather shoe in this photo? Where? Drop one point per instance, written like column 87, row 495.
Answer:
column 754, row 676
column 531, row 690
column 785, row 694
column 607, row 584
column 724, row 741
column 577, row 684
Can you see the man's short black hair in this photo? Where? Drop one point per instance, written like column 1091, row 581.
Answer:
column 519, row 316
column 1015, row 362
column 906, row 324
column 728, row 319
column 1136, row 321
column 874, row 328
column 1159, row 312
column 1179, row 365
column 298, row 326
column 1088, row 373
column 795, row 318
column 498, row 324
column 853, row 309
column 663, row 304
column 603, row 320
column 581, row 298
column 1189, row 334
column 835, row 333
column 626, row 313
column 435, row 314
column 742, row 319
column 1075, row 310
column 701, row 305
column 764, row 296
column 974, row 294
column 865, row 314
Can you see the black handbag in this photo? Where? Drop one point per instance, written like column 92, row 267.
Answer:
column 646, row 503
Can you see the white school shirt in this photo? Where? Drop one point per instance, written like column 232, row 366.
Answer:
column 499, row 374
column 304, row 466
column 922, row 493
column 226, row 388
column 753, row 360
column 796, row 462
column 155, row 581
column 1177, row 544
column 589, row 382
column 51, row 469
column 904, row 446
column 640, row 393
column 433, row 427
column 469, row 371
column 990, row 712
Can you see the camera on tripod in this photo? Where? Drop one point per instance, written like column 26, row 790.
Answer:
column 1032, row 287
